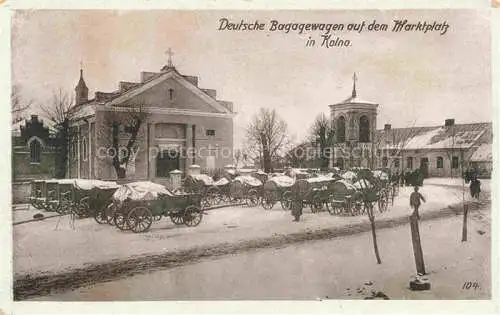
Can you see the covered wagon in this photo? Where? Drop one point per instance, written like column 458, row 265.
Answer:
column 138, row 204
column 278, row 188
column 203, row 185
column 247, row 188
column 314, row 192
column 345, row 198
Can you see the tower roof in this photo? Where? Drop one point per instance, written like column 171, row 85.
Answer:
column 81, row 83
column 354, row 98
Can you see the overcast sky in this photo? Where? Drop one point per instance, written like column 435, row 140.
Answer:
column 415, row 77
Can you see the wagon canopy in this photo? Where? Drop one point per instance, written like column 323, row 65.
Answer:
column 203, row 178
column 141, row 191
column 363, row 184
column 343, row 188
column 248, row 180
column 282, row 181
column 88, row 184
column 222, row 182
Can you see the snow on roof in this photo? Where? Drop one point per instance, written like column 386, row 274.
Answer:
column 439, row 137
column 483, row 153
column 207, row 180
column 249, row 180
column 355, row 100
column 141, row 191
column 282, row 180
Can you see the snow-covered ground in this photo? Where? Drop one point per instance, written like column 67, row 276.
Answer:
column 39, row 247
column 341, row 268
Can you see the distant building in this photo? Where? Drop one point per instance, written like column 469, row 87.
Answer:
column 182, row 118
column 33, row 156
column 441, row 151
column 32, row 150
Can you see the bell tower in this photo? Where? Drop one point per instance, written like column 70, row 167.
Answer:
column 81, row 90
column 355, row 122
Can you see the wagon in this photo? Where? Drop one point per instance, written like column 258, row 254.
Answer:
column 138, row 204
column 371, row 193
column 278, row 188
column 203, row 185
column 345, row 199
column 246, row 188
column 313, row 192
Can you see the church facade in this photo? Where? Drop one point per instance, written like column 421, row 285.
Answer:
column 178, row 125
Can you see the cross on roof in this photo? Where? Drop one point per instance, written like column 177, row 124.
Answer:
column 354, row 79
column 170, row 54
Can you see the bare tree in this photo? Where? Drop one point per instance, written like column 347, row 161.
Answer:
column 322, row 135
column 126, row 120
column 18, row 104
column 58, row 111
column 267, row 136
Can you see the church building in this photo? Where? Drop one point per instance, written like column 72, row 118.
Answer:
column 354, row 121
column 179, row 124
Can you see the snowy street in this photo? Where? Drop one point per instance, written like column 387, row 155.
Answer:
column 42, row 250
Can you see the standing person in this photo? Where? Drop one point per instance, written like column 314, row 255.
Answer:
column 475, row 188
column 415, row 198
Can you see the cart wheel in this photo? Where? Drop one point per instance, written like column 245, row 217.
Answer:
column 268, row 201
column 176, row 218
column 100, row 216
column 120, row 220
column 286, row 200
column 157, row 217
column 252, row 199
column 139, row 219
column 334, row 207
column 82, row 208
column 213, row 196
column 192, row 216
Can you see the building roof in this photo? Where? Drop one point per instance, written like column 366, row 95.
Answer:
column 458, row 136
column 483, row 153
column 150, row 79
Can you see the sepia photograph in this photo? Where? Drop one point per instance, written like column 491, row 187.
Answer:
column 207, row 155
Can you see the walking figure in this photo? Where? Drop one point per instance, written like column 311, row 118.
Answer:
column 475, row 188
column 415, row 199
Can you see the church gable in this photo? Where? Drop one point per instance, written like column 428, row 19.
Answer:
column 170, row 93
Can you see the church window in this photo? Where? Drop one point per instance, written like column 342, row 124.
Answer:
column 171, row 94
column 84, row 149
column 210, row 132
column 341, row 129
column 364, row 129
column 439, row 162
column 35, row 151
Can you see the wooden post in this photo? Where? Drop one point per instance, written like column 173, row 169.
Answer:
column 464, row 225
column 417, row 246
column 371, row 217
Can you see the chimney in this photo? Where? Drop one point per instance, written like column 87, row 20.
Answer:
column 387, row 127
column 449, row 122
